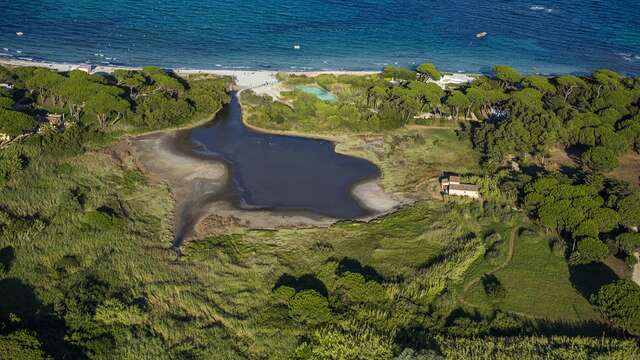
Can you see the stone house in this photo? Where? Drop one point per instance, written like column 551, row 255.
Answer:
column 451, row 185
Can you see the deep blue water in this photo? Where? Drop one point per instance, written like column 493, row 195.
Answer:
column 283, row 172
column 532, row 35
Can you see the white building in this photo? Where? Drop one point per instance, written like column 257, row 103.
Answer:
column 451, row 185
column 85, row 67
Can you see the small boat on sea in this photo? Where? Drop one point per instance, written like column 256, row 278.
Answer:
column 296, row 46
column 19, row 33
column 480, row 35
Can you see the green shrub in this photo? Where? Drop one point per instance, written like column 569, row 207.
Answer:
column 309, row 307
column 590, row 250
column 558, row 247
column 494, row 254
column 630, row 260
column 620, row 301
column 283, row 294
column 21, row 345
column 493, row 287
column 353, row 288
column 350, row 343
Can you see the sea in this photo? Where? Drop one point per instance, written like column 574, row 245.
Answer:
column 535, row 36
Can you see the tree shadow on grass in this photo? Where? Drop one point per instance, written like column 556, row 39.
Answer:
column 7, row 258
column 458, row 313
column 352, row 265
column 304, row 282
column 416, row 337
column 589, row 278
column 576, row 328
column 525, row 326
column 20, row 308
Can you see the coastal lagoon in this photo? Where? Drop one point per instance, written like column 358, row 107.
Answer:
column 278, row 172
column 534, row 36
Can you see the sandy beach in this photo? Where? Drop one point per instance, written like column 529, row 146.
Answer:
column 262, row 82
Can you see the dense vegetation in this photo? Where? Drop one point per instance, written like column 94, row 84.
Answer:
column 595, row 119
column 366, row 103
column 516, row 123
column 524, row 273
column 69, row 214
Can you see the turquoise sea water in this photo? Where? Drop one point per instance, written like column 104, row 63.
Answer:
column 533, row 35
column 321, row 93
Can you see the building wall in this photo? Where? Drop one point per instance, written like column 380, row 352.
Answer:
column 471, row 194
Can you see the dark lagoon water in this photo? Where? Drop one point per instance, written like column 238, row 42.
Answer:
column 533, row 35
column 283, row 172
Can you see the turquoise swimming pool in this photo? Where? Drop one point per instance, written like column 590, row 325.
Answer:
column 319, row 92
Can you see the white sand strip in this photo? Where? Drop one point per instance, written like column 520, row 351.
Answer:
column 262, row 82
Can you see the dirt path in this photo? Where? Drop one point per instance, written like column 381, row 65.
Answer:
column 440, row 127
column 510, row 252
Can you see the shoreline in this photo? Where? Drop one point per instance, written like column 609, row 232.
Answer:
column 108, row 68
column 68, row 66
column 263, row 82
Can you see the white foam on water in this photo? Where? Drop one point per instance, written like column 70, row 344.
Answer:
column 628, row 56
column 540, row 8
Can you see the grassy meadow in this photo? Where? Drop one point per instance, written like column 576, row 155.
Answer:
column 537, row 284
